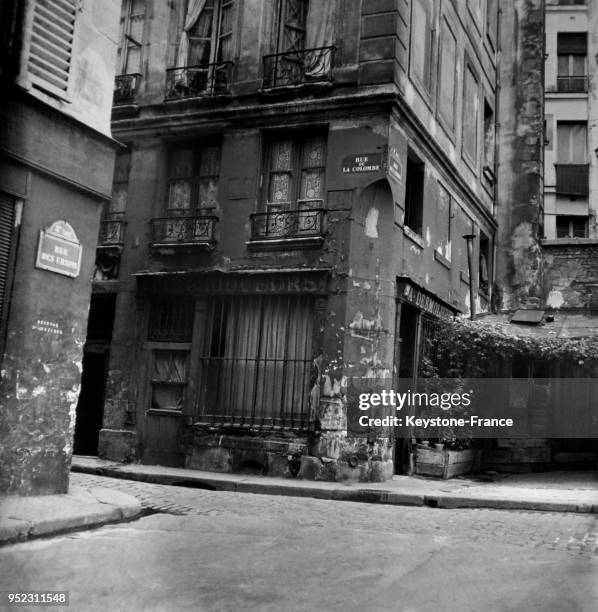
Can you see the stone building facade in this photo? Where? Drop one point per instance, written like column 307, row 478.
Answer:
column 56, row 161
column 287, row 221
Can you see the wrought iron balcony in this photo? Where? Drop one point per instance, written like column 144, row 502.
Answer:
column 573, row 179
column 197, row 230
column 201, row 80
column 125, row 88
column 112, row 231
column 298, row 67
column 288, row 224
column 572, row 84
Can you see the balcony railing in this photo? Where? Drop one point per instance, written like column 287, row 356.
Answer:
column 298, row 67
column 572, row 179
column 125, row 88
column 201, row 80
column 112, row 231
column 197, row 230
column 572, row 84
column 286, row 224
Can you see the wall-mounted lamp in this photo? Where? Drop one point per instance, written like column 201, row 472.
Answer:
column 469, row 238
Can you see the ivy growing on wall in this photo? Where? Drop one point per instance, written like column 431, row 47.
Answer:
column 461, row 347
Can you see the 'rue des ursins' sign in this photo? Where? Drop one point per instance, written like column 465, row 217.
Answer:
column 59, row 250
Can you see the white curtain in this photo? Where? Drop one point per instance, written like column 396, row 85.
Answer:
column 319, row 33
column 194, row 10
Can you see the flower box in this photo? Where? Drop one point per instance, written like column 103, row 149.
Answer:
column 444, row 463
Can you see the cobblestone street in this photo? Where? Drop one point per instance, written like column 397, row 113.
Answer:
column 574, row 533
column 201, row 550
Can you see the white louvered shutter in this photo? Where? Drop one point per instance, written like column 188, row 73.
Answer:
column 51, row 45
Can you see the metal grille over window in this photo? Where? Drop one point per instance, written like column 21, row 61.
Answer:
column 256, row 363
column 171, row 320
column 51, row 45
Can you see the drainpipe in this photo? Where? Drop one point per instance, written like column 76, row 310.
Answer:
column 469, row 238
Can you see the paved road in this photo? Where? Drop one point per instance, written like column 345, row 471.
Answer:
column 209, row 550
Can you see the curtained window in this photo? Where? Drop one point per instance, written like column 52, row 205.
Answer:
column 471, row 104
column 131, row 37
column 448, row 76
column 193, row 180
column 257, row 359
column 207, row 34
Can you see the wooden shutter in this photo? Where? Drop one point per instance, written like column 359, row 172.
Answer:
column 51, row 45
column 7, row 248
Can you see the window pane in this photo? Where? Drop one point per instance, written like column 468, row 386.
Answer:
column 281, row 155
column 578, row 144
column 313, row 153
column 443, row 241
column 280, row 188
column 470, row 115
column 420, row 40
column 447, row 76
column 563, row 65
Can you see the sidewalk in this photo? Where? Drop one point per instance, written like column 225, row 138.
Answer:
column 548, row 492
column 26, row 517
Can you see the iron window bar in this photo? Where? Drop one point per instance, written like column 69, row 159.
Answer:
column 298, row 67
column 189, row 230
column 112, row 230
column 572, row 84
column 126, row 87
column 199, row 80
column 277, row 224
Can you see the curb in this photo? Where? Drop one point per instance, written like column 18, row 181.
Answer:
column 25, row 523
column 372, row 496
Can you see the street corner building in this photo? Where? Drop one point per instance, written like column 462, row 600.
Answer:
column 56, row 165
column 292, row 201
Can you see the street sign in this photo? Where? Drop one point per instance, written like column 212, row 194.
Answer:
column 357, row 164
column 59, row 250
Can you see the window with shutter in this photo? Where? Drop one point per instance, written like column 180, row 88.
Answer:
column 51, row 45
column 7, row 253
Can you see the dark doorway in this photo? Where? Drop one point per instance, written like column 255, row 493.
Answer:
column 406, row 356
column 90, row 407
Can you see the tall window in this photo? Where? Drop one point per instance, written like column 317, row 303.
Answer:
column 448, row 74
column 572, row 52
column 572, row 142
column 470, row 115
column 256, row 362
column 120, row 184
column 443, row 223
column 193, row 180
column 295, row 174
column 290, row 26
column 422, row 42
column 489, row 136
column 51, row 45
column 207, row 35
column 484, row 263
column 131, row 37
column 414, row 194
column 492, row 21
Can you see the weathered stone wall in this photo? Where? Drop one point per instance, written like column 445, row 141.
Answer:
column 520, row 171
column 571, row 274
